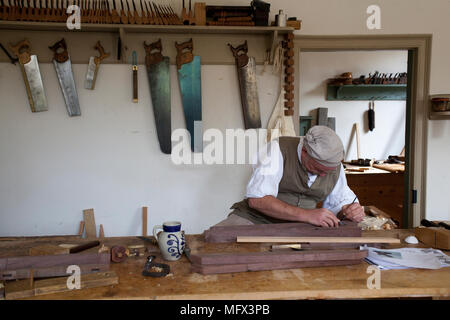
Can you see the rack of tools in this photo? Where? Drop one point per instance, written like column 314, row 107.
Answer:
column 91, row 11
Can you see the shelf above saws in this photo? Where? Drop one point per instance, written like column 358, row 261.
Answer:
column 212, row 48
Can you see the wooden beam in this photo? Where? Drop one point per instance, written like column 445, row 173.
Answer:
column 47, row 249
column 224, row 234
column 49, row 266
column 318, row 239
column 20, row 289
column 276, row 257
column 81, row 229
column 231, row 268
column 89, row 223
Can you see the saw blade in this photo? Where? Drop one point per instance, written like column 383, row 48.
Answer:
column 189, row 76
column 35, row 87
column 91, row 74
column 65, row 77
column 249, row 94
column 159, row 81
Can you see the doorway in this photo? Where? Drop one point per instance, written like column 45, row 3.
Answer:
column 418, row 49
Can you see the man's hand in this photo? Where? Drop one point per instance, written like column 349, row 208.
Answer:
column 322, row 218
column 353, row 212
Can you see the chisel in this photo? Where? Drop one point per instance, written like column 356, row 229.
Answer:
column 135, row 77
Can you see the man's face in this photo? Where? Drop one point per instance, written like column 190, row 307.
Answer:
column 313, row 166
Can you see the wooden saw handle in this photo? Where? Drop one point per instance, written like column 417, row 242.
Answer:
column 22, row 50
column 153, row 52
column 184, row 56
column 60, row 56
column 103, row 54
column 240, row 54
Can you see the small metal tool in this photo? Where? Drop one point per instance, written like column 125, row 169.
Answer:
column 149, row 265
column 340, row 222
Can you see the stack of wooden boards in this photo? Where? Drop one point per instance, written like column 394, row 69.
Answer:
column 20, row 272
column 337, row 251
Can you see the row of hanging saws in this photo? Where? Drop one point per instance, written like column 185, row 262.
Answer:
column 158, row 71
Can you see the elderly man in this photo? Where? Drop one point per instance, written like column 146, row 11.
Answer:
column 292, row 178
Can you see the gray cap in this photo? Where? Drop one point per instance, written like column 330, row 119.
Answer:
column 324, row 146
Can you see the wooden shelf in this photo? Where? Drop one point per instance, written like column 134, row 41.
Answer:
column 207, row 44
column 366, row 92
column 439, row 115
column 131, row 28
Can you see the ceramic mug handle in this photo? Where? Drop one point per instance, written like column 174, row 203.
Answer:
column 155, row 234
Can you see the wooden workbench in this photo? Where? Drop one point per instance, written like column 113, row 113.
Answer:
column 348, row 282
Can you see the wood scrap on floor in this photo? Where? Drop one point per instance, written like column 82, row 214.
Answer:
column 21, row 288
column 258, row 261
column 230, row 233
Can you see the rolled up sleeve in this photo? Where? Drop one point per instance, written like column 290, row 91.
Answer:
column 340, row 195
column 267, row 172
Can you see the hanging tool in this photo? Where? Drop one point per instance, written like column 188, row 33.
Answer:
column 371, row 115
column 191, row 15
column 137, row 17
column 189, row 78
column 158, row 71
column 115, row 18
column 145, row 17
column 63, row 67
column 135, row 77
column 123, row 16
column 13, row 60
column 94, row 64
column 131, row 19
column 155, row 270
column 31, row 75
column 246, row 67
column 150, row 16
column 184, row 16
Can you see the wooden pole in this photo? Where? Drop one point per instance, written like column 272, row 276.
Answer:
column 144, row 221
column 318, row 239
column 358, row 149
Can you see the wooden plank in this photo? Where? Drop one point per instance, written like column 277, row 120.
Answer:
column 101, row 232
column 45, row 266
column 144, row 221
column 232, row 268
column 81, row 229
column 276, row 257
column 89, row 223
column 230, row 233
column 48, row 249
column 20, row 289
column 322, row 116
column 361, row 240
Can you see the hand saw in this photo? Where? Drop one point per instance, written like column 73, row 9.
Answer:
column 94, row 65
column 31, row 75
column 246, row 67
column 189, row 77
column 63, row 67
column 159, row 81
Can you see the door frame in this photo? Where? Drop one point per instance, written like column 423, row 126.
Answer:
column 416, row 149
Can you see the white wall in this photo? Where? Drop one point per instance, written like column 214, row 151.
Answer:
column 52, row 167
column 388, row 137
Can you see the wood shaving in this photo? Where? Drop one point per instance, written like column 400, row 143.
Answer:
column 169, row 275
column 156, row 269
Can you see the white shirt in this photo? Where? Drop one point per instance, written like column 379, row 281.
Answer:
column 268, row 171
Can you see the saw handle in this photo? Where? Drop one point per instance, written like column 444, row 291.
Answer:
column 153, row 57
column 22, row 50
column 60, row 56
column 184, row 52
column 240, row 54
column 102, row 53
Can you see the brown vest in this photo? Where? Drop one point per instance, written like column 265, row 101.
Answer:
column 293, row 188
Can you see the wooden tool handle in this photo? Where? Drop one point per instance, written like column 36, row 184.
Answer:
column 60, row 56
column 22, row 50
column 184, row 56
column 135, row 84
column 102, row 53
column 153, row 52
column 240, row 54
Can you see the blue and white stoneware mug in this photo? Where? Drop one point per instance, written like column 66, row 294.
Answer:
column 171, row 240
